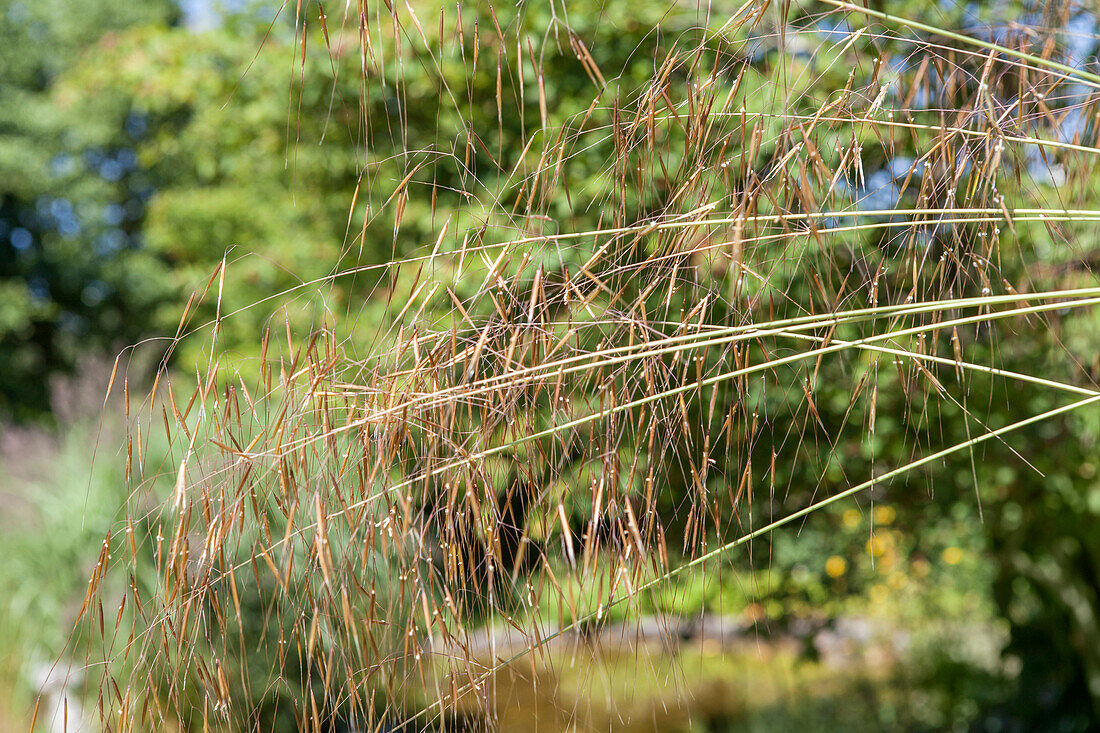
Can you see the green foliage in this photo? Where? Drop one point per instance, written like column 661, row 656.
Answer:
column 70, row 262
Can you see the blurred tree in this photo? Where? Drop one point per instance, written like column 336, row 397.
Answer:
column 70, row 258
column 235, row 166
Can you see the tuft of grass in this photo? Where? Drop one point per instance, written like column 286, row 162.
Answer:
column 62, row 488
column 665, row 320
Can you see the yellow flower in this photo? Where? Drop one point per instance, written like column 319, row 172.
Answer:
column 952, row 555
column 835, row 566
column 885, row 515
column 850, row 518
column 879, row 544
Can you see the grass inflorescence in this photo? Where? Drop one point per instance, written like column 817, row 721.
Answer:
column 646, row 305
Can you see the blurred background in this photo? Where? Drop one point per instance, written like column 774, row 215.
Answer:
column 142, row 142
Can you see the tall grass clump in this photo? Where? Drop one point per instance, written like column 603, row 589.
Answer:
column 627, row 289
column 58, row 499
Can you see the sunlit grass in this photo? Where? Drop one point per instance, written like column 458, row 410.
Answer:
column 702, row 355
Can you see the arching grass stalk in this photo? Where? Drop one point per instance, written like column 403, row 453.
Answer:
column 702, row 339
column 719, row 552
column 944, row 361
column 934, row 216
column 831, row 348
column 1043, row 63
